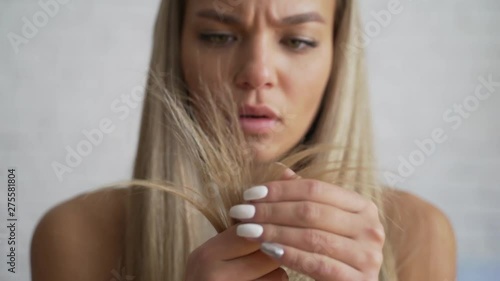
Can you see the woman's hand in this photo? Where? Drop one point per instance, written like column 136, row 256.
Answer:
column 321, row 230
column 230, row 257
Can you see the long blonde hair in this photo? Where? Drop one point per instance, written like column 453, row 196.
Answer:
column 186, row 171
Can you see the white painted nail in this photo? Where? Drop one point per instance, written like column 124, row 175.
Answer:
column 242, row 211
column 249, row 230
column 255, row 193
column 272, row 249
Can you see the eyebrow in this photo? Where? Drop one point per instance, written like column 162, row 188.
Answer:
column 290, row 20
column 303, row 18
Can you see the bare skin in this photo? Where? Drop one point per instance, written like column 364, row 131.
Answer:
column 80, row 239
column 72, row 243
column 273, row 53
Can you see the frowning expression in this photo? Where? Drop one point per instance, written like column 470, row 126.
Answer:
column 275, row 56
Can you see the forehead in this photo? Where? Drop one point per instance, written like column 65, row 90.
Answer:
column 272, row 9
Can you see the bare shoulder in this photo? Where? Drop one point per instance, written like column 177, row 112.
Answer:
column 422, row 237
column 81, row 238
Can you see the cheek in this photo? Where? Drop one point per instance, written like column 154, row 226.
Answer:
column 193, row 63
column 188, row 65
column 202, row 72
column 202, row 67
column 305, row 92
column 305, row 109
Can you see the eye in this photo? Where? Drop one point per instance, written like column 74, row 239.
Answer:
column 298, row 44
column 217, row 39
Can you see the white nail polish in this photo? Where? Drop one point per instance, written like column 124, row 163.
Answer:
column 242, row 211
column 249, row 230
column 272, row 249
column 255, row 193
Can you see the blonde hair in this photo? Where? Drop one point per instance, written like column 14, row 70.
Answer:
column 184, row 166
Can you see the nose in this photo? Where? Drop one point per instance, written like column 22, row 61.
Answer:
column 255, row 70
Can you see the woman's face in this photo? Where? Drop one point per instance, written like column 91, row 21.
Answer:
column 275, row 55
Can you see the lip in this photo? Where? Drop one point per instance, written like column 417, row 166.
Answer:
column 258, row 119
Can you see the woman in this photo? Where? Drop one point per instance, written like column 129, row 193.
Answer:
column 291, row 71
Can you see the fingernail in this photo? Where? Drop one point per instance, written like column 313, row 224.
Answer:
column 272, row 249
column 288, row 173
column 249, row 230
column 255, row 193
column 242, row 211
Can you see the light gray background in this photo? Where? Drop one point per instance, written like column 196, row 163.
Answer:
column 428, row 58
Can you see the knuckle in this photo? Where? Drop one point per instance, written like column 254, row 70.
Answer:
column 322, row 268
column 376, row 233
column 371, row 259
column 333, row 246
column 313, row 188
column 316, row 266
column 262, row 211
column 270, row 233
column 308, row 212
column 371, row 275
column 313, row 239
column 309, row 265
column 294, row 261
column 335, row 272
column 372, row 208
column 274, row 190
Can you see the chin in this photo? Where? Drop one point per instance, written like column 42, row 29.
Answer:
column 262, row 157
column 265, row 152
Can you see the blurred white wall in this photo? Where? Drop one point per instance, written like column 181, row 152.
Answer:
column 424, row 66
column 80, row 69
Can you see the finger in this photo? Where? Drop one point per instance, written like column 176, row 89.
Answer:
column 313, row 265
column 302, row 214
column 320, row 242
column 288, row 174
column 313, row 190
column 277, row 275
column 227, row 245
column 249, row 267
